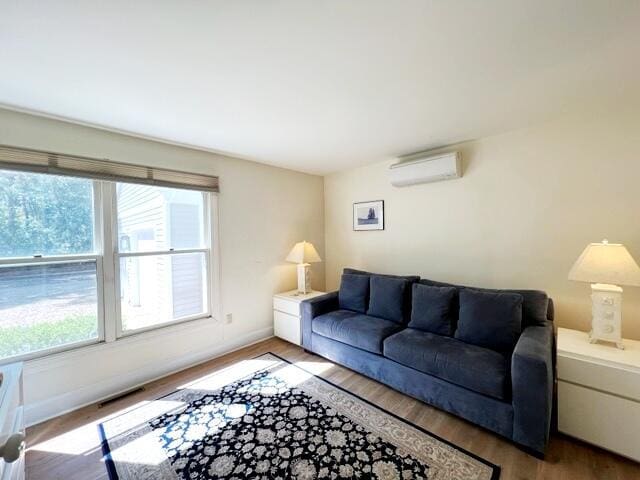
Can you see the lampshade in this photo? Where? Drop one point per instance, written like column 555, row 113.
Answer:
column 606, row 262
column 303, row 252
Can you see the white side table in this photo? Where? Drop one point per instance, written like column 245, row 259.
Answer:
column 599, row 392
column 287, row 315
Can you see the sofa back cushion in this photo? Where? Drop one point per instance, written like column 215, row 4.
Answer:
column 537, row 307
column 431, row 309
column 387, row 298
column 406, row 308
column 354, row 293
column 489, row 319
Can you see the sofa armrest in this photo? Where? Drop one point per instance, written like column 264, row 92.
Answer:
column 312, row 308
column 532, row 379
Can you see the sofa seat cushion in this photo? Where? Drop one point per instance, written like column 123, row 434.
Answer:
column 357, row 330
column 475, row 368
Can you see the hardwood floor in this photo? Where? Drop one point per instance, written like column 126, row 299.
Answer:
column 68, row 447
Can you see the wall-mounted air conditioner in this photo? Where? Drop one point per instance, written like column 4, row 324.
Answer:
column 425, row 169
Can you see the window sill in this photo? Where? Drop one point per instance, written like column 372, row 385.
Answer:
column 48, row 361
column 49, row 352
column 138, row 331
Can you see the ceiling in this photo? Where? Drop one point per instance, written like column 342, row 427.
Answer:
column 317, row 85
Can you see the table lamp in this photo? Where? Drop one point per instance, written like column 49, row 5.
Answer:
column 303, row 253
column 606, row 265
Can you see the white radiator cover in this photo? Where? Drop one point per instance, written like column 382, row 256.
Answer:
column 435, row 168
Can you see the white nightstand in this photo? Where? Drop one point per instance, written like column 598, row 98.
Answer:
column 287, row 315
column 599, row 392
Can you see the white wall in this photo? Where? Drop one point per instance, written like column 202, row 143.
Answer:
column 527, row 205
column 263, row 211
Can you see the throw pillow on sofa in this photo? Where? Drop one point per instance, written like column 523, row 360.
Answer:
column 406, row 307
column 387, row 298
column 354, row 292
column 431, row 309
column 489, row 319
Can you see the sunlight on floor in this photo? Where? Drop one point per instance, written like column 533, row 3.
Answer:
column 297, row 373
column 147, row 449
column 230, row 374
column 144, row 450
column 315, row 367
column 245, row 368
column 85, row 439
column 225, row 415
column 79, row 441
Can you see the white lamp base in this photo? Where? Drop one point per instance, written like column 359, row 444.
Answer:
column 304, row 278
column 606, row 308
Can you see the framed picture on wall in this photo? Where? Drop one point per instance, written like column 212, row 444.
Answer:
column 368, row 215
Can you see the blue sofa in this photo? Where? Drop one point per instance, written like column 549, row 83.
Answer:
column 484, row 355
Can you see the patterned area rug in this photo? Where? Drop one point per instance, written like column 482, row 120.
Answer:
column 269, row 419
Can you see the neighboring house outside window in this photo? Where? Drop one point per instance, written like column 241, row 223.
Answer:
column 164, row 286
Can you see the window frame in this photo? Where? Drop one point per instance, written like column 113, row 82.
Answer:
column 107, row 257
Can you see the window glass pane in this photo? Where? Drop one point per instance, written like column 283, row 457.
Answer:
column 44, row 214
column 157, row 218
column 47, row 305
column 157, row 289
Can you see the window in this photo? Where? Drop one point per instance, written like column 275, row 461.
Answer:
column 163, row 255
column 49, row 294
column 62, row 238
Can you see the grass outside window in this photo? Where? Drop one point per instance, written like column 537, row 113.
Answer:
column 21, row 339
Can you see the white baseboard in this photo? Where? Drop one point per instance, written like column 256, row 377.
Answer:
column 72, row 400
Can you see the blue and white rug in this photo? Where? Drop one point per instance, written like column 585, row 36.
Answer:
column 269, row 419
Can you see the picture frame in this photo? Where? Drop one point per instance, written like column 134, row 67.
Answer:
column 368, row 215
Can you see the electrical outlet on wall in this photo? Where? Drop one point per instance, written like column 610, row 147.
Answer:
column 228, row 318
